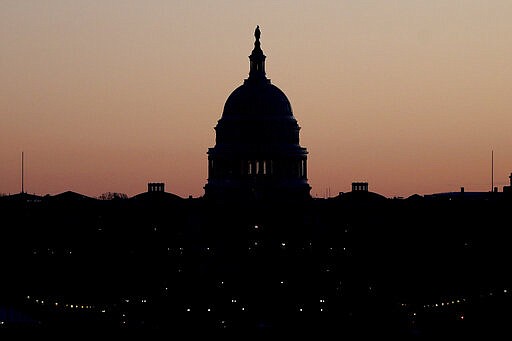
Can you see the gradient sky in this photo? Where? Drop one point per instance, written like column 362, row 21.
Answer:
column 411, row 96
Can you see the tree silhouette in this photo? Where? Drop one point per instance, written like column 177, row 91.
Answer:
column 112, row 196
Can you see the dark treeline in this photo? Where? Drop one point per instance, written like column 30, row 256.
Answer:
column 358, row 264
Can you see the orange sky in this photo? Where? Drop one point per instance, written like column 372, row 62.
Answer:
column 108, row 95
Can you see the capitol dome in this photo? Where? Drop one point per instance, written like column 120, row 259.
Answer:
column 257, row 152
column 257, row 113
column 257, row 99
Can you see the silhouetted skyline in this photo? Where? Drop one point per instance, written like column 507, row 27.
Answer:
column 410, row 97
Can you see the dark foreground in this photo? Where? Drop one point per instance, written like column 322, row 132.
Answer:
column 347, row 266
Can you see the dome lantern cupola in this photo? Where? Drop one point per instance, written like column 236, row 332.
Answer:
column 257, row 58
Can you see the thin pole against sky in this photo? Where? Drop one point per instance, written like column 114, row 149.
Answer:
column 22, row 173
column 492, row 170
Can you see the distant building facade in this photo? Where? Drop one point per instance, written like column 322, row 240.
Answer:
column 360, row 187
column 257, row 152
column 156, row 187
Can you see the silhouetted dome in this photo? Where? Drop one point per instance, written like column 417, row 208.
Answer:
column 257, row 100
column 164, row 196
column 257, row 152
column 258, row 112
column 362, row 196
column 257, row 115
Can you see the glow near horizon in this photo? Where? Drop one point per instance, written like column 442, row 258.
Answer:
column 410, row 96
